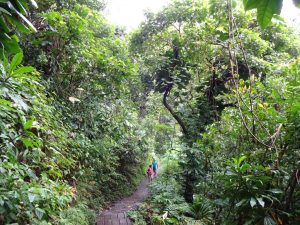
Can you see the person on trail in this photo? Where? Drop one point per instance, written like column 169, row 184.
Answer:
column 154, row 167
column 150, row 173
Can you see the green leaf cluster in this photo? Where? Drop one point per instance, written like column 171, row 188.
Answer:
column 266, row 9
column 13, row 15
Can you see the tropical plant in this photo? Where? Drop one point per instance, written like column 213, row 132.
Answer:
column 13, row 16
column 266, row 9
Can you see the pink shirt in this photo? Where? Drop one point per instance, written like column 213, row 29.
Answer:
column 149, row 171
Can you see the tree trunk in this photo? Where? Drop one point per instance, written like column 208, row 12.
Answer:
column 169, row 108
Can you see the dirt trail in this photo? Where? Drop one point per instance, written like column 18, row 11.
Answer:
column 117, row 213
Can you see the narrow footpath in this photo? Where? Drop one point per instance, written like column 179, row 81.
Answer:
column 117, row 213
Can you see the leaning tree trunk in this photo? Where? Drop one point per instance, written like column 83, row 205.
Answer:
column 189, row 177
column 169, row 108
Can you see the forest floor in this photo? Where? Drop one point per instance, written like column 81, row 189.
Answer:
column 117, row 213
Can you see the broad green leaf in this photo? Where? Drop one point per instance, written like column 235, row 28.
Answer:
column 33, row 3
column 251, row 4
column 266, row 9
column 261, row 201
column 31, row 197
column 245, row 167
column 23, row 70
column 241, row 203
column 252, row 202
column 17, row 59
column 22, row 16
column 4, row 102
column 4, row 11
column 10, row 44
column 275, row 191
column 21, row 7
column 240, row 160
column 39, row 213
column 3, row 25
column 28, row 124
column 27, row 142
column 18, row 24
column 19, row 101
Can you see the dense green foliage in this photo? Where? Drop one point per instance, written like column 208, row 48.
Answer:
column 83, row 108
column 266, row 9
column 231, row 87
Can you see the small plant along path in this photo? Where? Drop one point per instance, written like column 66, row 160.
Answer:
column 117, row 213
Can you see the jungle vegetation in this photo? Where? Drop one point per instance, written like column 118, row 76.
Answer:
column 209, row 87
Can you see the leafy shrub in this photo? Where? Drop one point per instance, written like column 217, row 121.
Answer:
column 202, row 210
column 32, row 164
column 80, row 214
